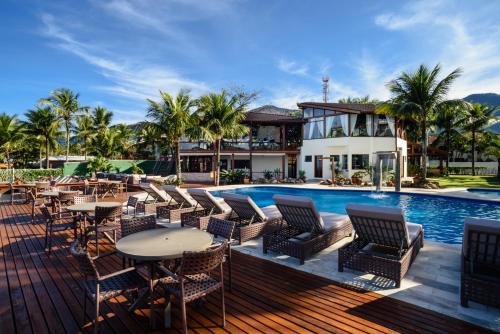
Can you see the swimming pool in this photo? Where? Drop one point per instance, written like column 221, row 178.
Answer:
column 442, row 217
column 486, row 193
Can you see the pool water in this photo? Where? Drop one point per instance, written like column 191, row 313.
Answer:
column 442, row 217
column 486, row 193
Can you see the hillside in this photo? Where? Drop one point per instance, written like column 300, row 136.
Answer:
column 487, row 98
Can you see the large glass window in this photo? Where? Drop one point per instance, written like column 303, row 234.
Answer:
column 361, row 125
column 337, row 126
column 384, row 126
column 242, row 164
column 345, row 165
column 308, row 112
column 319, row 112
column 192, row 164
column 359, row 161
column 314, row 129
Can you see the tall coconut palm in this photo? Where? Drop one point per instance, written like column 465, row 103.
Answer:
column 172, row 118
column 449, row 120
column 101, row 118
column 84, row 131
column 11, row 132
column 65, row 103
column 220, row 117
column 125, row 135
column 106, row 143
column 478, row 117
column 45, row 124
column 489, row 145
column 417, row 96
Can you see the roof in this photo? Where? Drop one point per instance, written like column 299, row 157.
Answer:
column 352, row 108
column 273, row 114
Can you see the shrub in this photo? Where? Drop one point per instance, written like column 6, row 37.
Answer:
column 136, row 169
column 28, row 175
column 268, row 174
column 302, row 175
column 99, row 164
column 359, row 174
column 235, row 176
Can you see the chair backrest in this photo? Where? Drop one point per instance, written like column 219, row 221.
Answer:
column 79, row 199
column 67, row 196
column 42, row 186
column 180, row 196
column 244, row 207
column 202, row 262
column 206, row 200
column 85, row 263
column 46, row 213
column 105, row 213
column 131, row 225
column 481, row 242
column 300, row 213
column 155, row 193
column 379, row 225
column 132, row 201
column 221, row 227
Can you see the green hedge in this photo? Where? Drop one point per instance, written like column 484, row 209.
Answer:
column 465, row 170
column 28, row 175
column 122, row 166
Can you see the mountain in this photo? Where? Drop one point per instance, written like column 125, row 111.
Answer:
column 487, row 98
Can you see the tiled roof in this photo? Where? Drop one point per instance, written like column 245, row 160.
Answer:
column 269, row 113
column 354, row 108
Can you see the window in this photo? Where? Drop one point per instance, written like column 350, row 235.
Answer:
column 345, row 164
column 337, row 126
column 308, row 158
column 361, row 125
column 319, row 112
column 308, row 112
column 314, row 129
column 196, row 164
column 384, row 126
column 242, row 164
column 359, row 161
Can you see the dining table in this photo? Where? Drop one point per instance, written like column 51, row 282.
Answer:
column 157, row 245
column 109, row 187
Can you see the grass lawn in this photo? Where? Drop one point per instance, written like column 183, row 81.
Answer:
column 467, row 181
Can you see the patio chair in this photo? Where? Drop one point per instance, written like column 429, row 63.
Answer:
column 210, row 207
column 307, row 231
column 40, row 187
column 56, row 222
column 132, row 202
column 480, row 274
column 100, row 288
column 223, row 229
column 79, row 199
column 103, row 222
column 384, row 243
column 66, row 198
column 130, row 225
column 155, row 198
column 251, row 221
column 195, row 279
column 34, row 203
column 182, row 203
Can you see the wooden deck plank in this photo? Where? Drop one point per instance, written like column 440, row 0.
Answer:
column 41, row 293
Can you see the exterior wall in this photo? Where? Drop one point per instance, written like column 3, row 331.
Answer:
column 198, row 177
column 340, row 146
column 261, row 163
column 402, row 144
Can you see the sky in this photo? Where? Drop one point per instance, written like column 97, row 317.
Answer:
column 118, row 53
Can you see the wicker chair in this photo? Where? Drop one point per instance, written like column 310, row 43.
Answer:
column 480, row 274
column 307, row 231
column 56, row 222
column 195, row 279
column 34, row 203
column 224, row 229
column 66, row 198
column 40, row 187
column 251, row 221
column 130, row 225
column 183, row 203
column 211, row 207
column 79, row 199
column 132, row 201
column 384, row 243
column 148, row 206
column 103, row 222
column 100, row 288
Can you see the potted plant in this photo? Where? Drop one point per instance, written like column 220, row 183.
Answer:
column 357, row 177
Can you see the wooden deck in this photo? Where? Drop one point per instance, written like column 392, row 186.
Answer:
column 43, row 294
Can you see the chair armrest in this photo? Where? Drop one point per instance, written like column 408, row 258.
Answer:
column 165, row 271
column 116, row 273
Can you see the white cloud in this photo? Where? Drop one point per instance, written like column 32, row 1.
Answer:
column 292, row 67
column 132, row 80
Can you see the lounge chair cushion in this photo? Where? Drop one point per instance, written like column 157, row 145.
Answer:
column 207, row 200
column 487, row 226
column 160, row 196
column 413, row 230
column 179, row 195
column 364, row 215
column 334, row 221
column 302, row 203
column 271, row 212
column 245, row 202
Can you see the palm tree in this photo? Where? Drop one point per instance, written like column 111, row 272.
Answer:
column 489, row 144
column 418, row 96
column 44, row 123
column 65, row 104
column 125, row 135
column 358, row 100
column 84, row 131
column 449, row 120
column 11, row 132
column 220, row 117
column 478, row 117
column 172, row 118
column 106, row 143
column 101, row 118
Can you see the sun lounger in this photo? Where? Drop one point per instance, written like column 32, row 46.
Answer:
column 210, row 207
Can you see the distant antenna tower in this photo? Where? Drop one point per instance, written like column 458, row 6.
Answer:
column 325, row 88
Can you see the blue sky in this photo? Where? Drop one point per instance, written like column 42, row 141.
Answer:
column 118, row 53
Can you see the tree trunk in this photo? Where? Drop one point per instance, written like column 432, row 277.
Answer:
column 47, row 153
column 7, row 154
column 447, row 151
column 40, row 158
column 178, row 159
column 424, row 149
column 67, row 139
column 85, row 149
column 473, row 152
column 217, row 162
